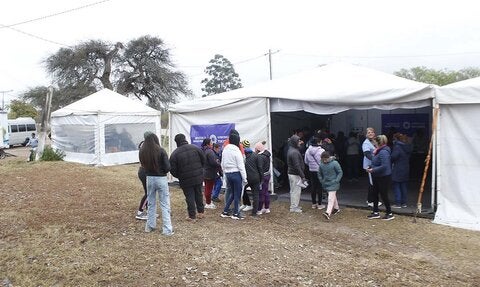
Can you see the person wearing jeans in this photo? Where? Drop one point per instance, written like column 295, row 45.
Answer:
column 233, row 167
column 158, row 184
column 155, row 161
column 312, row 159
column 400, row 169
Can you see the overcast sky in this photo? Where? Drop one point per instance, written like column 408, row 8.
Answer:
column 384, row 35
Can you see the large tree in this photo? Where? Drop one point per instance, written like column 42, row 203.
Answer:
column 143, row 69
column 147, row 71
column 221, row 77
column 21, row 109
column 437, row 77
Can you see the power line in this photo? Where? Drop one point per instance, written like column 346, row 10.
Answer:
column 35, row 36
column 54, row 14
column 382, row 57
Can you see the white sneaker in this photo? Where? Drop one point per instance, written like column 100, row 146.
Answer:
column 302, row 184
column 141, row 215
column 265, row 210
column 259, row 212
column 296, row 210
column 210, row 206
column 242, row 207
column 320, row 206
column 247, row 208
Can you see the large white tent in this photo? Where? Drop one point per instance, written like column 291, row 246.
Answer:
column 325, row 90
column 104, row 128
column 458, row 142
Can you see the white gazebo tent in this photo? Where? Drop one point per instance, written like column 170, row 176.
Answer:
column 104, row 128
column 458, row 155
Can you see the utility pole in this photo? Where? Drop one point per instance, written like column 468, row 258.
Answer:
column 45, row 125
column 3, row 98
column 270, row 60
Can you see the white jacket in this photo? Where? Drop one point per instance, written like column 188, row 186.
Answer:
column 232, row 161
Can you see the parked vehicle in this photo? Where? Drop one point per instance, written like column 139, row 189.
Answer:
column 20, row 130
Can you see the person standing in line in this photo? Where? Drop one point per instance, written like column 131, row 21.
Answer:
column 368, row 146
column 233, row 167
column 228, row 189
column 187, row 162
column 352, row 159
column 247, row 204
column 264, row 198
column 210, row 171
column 329, row 174
column 400, row 169
column 254, row 170
column 296, row 173
column 141, row 212
column 381, row 171
column 312, row 159
column 154, row 160
column 219, row 174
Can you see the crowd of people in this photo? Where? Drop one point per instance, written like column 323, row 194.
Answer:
column 314, row 163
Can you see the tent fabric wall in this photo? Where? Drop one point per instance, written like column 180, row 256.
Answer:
column 104, row 128
column 458, row 163
column 250, row 116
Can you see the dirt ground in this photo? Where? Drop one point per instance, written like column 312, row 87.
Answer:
column 65, row 224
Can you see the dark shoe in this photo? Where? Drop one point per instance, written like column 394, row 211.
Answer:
column 335, row 211
column 388, row 216
column 224, row 214
column 238, row 217
column 373, row 215
column 326, row 215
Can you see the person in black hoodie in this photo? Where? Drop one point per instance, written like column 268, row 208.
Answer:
column 187, row 162
column 264, row 157
column 254, row 169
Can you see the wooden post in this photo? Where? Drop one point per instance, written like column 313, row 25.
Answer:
column 427, row 163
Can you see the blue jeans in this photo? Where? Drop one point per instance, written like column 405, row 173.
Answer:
column 400, row 190
column 158, row 184
column 217, row 187
column 234, row 180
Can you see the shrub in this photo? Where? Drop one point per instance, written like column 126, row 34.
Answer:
column 49, row 154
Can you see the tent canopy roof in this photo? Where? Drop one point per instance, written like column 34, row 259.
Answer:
column 105, row 102
column 463, row 92
column 333, row 84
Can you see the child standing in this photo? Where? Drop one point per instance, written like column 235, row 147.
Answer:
column 329, row 174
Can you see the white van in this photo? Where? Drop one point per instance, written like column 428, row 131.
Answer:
column 20, row 129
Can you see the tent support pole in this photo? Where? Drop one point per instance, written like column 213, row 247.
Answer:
column 269, row 129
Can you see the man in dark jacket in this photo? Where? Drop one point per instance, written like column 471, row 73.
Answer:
column 254, row 169
column 187, row 163
column 296, row 173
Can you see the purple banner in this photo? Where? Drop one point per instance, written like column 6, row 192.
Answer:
column 218, row 133
column 405, row 123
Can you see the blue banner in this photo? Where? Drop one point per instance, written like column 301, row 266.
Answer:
column 405, row 123
column 218, row 133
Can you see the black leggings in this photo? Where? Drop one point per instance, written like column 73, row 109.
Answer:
column 381, row 186
column 143, row 178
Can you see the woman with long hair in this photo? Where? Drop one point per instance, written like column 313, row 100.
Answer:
column 154, row 160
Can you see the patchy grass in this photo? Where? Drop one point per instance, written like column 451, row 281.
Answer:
column 65, row 224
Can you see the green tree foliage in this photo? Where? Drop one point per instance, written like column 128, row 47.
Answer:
column 61, row 97
column 437, row 77
column 147, row 71
column 143, row 69
column 21, row 109
column 221, row 77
